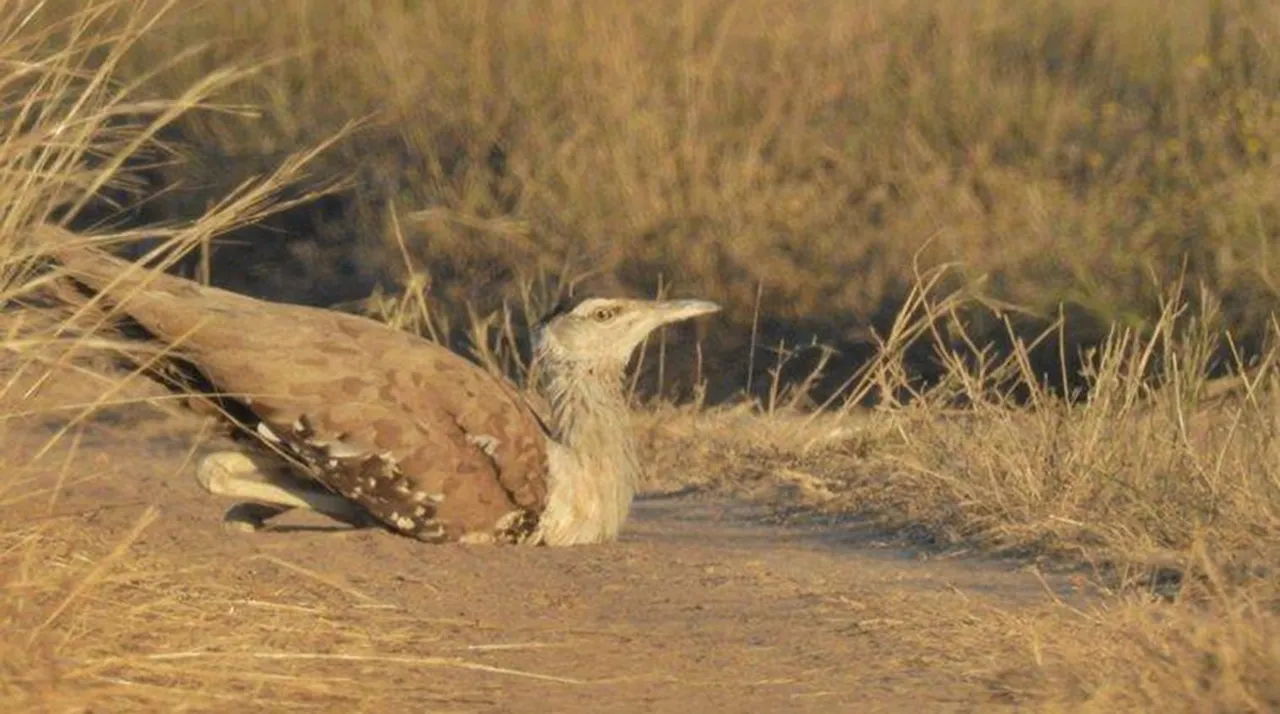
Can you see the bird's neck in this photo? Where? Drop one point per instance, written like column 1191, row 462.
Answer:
column 594, row 467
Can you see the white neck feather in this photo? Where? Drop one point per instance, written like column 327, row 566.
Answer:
column 593, row 462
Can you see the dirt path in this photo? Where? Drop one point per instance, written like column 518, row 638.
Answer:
column 701, row 607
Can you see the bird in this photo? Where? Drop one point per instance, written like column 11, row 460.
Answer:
column 369, row 424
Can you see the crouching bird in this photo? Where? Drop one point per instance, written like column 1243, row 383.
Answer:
column 355, row 419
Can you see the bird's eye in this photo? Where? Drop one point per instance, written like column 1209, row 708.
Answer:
column 601, row 314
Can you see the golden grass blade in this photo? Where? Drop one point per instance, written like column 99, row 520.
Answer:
column 447, row 662
column 332, row 581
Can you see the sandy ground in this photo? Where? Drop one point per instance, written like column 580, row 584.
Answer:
column 708, row 603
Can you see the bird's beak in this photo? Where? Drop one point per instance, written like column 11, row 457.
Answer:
column 676, row 310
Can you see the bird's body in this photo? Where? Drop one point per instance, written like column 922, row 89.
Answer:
column 428, row 443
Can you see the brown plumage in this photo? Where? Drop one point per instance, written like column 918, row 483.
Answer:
column 430, row 444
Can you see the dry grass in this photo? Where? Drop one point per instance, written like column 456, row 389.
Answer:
column 1088, row 153
column 1132, row 655
column 89, row 622
column 1064, row 152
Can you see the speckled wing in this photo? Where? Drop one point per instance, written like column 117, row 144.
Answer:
column 428, row 442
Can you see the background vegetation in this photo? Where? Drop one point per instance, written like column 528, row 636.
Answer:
column 1070, row 154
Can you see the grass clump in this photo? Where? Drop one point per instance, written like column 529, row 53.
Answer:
column 1154, row 458
column 73, row 130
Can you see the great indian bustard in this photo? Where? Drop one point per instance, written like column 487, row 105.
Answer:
column 363, row 420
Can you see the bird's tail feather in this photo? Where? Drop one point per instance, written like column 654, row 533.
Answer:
column 83, row 260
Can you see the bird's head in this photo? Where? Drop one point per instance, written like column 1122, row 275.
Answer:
column 606, row 331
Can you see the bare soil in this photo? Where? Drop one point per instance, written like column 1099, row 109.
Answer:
column 708, row 603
